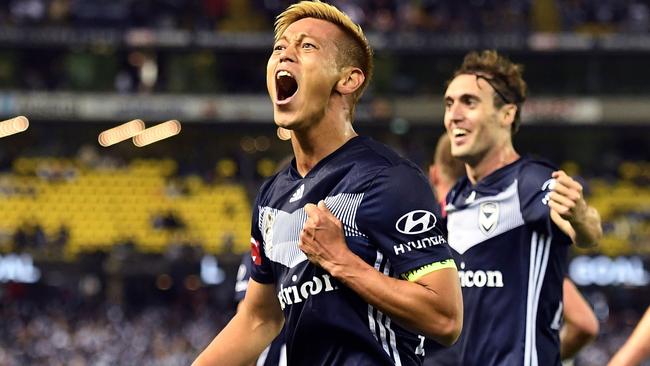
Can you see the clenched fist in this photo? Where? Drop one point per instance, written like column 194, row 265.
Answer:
column 322, row 238
column 566, row 198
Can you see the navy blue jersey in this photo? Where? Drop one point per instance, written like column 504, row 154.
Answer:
column 276, row 353
column 243, row 275
column 385, row 205
column 511, row 259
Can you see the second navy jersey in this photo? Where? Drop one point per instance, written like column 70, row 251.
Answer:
column 275, row 354
column 511, row 260
column 385, row 205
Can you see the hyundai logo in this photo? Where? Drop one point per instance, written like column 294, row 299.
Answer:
column 416, row 222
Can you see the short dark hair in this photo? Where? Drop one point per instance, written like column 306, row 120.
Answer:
column 503, row 75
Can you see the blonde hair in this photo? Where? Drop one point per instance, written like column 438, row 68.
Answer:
column 353, row 51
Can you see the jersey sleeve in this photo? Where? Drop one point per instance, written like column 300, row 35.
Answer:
column 243, row 275
column 261, row 270
column 534, row 186
column 397, row 215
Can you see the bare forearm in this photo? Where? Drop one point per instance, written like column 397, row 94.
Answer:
column 629, row 355
column 239, row 343
column 588, row 230
column 436, row 313
column 258, row 320
column 637, row 347
column 432, row 305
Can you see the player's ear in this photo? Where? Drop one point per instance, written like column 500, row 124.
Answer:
column 508, row 113
column 351, row 79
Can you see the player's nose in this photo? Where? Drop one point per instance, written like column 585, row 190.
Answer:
column 454, row 113
column 288, row 54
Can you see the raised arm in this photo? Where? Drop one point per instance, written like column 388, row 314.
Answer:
column 570, row 212
column 430, row 304
column 580, row 324
column 257, row 322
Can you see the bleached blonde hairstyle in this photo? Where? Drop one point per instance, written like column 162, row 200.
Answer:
column 353, row 51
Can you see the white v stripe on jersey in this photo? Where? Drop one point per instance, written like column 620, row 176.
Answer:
column 281, row 240
column 539, row 252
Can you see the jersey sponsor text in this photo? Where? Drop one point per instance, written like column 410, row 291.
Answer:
column 418, row 244
column 479, row 278
column 296, row 294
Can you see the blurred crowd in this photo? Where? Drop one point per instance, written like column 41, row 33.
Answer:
column 38, row 334
column 375, row 15
column 614, row 331
column 53, row 333
column 114, row 62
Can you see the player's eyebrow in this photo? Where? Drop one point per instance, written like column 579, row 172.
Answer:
column 299, row 37
column 463, row 97
column 469, row 96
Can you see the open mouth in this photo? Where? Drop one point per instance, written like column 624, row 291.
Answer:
column 286, row 85
column 459, row 132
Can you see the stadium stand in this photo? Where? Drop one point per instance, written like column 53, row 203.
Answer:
column 131, row 243
column 100, row 207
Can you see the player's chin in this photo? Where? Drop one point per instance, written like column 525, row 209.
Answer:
column 284, row 119
column 458, row 152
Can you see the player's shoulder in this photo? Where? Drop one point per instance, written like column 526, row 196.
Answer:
column 375, row 157
column 267, row 185
column 455, row 193
column 536, row 164
column 533, row 169
column 271, row 183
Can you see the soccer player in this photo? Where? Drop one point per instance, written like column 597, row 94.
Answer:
column 510, row 221
column 580, row 326
column 344, row 256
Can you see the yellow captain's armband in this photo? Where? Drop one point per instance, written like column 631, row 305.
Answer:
column 416, row 274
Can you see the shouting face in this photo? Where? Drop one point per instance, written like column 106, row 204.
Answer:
column 302, row 72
